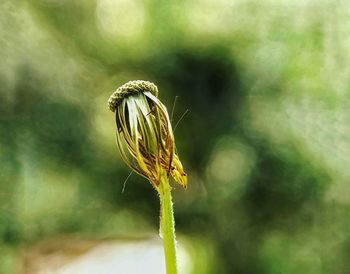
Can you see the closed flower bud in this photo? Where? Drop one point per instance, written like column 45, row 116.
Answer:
column 144, row 133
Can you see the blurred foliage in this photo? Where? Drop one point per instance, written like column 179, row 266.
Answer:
column 265, row 144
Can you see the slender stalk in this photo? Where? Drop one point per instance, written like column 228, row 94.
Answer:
column 167, row 224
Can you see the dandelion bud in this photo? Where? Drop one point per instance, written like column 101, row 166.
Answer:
column 144, row 134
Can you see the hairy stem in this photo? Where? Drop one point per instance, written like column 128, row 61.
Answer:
column 167, row 224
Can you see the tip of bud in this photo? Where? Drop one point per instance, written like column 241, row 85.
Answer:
column 129, row 88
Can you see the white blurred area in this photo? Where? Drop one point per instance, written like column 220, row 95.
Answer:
column 107, row 257
column 122, row 20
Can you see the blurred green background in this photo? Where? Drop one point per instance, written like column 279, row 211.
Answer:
column 265, row 143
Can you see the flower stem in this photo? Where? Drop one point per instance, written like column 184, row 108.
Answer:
column 167, row 224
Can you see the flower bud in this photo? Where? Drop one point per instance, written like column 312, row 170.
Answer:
column 144, row 134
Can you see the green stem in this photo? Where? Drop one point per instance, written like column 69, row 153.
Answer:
column 167, row 224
